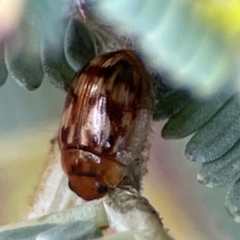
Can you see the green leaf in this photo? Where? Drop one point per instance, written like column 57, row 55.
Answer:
column 232, row 201
column 22, row 56
column 78, row 44
column 222, row 171
column 168, row 100
column 53, row 58
column 25, row 233
column 194, row 115
column 218, row 135
column 166, row 107
column 79, row 230
column 50, row 18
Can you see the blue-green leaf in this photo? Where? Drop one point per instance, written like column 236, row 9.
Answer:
column 222, row 171
column 218, row 135
column 79, row 230
column 23, row 62
column 78, row 44
column 232, row 201
column 53, row 58
column 194, row 115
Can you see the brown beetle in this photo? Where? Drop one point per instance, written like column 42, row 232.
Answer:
column 105, row 122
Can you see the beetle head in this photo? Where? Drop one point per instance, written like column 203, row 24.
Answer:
column 88, row 188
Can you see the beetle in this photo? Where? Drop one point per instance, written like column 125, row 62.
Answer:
column 105, row 122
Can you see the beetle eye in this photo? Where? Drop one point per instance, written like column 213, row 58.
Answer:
column 101, row 188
